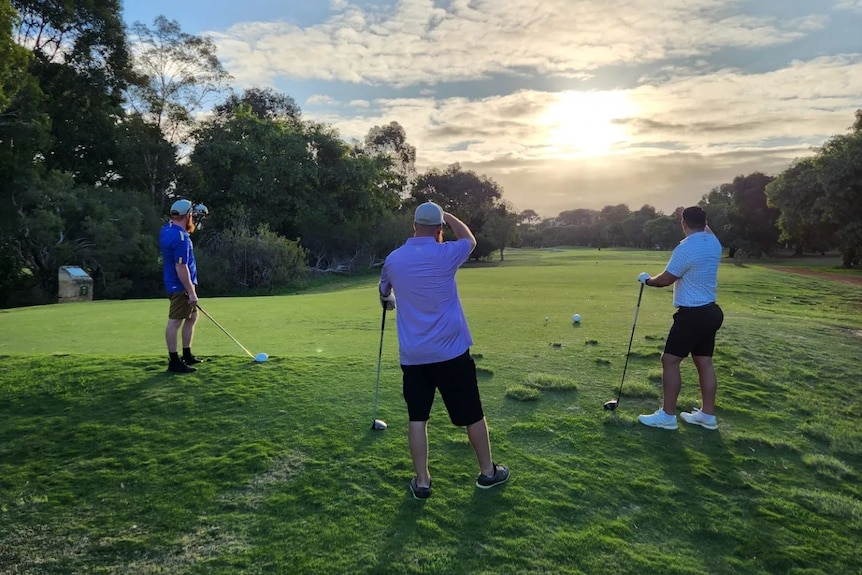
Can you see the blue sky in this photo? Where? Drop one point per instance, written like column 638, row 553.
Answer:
column 565, row 103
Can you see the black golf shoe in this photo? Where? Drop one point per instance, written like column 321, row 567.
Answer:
column 191, row 360
column 420, row 492
column 501, row 475
column 180, row 367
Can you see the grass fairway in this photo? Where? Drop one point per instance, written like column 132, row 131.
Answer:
column 110, row 465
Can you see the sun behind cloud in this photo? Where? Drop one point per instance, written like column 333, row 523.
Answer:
column 582, row 123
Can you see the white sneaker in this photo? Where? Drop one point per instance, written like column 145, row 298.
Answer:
column 697, row 417
column 659, row 419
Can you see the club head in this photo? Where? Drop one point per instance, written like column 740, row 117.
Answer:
column 378, row 425
column 612, row 405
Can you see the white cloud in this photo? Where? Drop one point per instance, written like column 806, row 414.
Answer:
column 420, row 43
column 680, row 136
column 855, row 5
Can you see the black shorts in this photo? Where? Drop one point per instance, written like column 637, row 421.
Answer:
column 693, row 330
column 456, row 380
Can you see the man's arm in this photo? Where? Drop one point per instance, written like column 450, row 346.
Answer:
column 664, row 279
column 460, row 229
column 186, row 279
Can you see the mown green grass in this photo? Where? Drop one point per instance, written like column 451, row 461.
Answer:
column 110, row 465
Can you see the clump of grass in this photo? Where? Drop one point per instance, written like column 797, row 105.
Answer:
column 827, row 465
column 547, row 382
column 477, row 355
column 522, row 393
column 591, row 342
column 654, row 376
column 835, row 504
column 484, row 372
column 602, row 361
column 640, row 389
column 645, row 354
column 653, row 338
column 755, row 441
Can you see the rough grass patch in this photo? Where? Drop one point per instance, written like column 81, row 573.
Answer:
column 827, row 465
column 522, row 393
column 602, row 361
column 655, row 376
column 545, row 382
column 484, row 372
column 639, row 389
column 837, row 505
column 591, row 342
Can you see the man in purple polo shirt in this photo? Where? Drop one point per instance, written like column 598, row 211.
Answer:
column 693, row 271
column 434, row 340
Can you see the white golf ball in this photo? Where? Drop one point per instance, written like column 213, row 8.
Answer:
column 576, row 318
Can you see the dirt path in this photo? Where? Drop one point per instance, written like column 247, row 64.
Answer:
column 824, row 275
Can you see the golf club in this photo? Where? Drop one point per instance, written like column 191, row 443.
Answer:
column 379, row 424
column 261, row 357
column 612, row 404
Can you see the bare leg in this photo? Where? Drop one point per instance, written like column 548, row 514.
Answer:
column 671, row 381
column 171, row 334
column 417, row 437
column 477, row 433
column 708, row 383
column 189, row 329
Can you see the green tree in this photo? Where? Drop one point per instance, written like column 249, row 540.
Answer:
column 798, row 194
column 501, row 226
column 175, row 75
column 13, row 58
column 390, row 142
column 839, row 165
column 460, row 192
column 81, row 62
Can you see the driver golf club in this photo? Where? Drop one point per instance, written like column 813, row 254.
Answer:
column 612, row 404
column 379, row 424
column 259, row 358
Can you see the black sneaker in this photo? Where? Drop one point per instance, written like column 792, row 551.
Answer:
column 420, row 492
column 191, row 360
column 501, row 475
column 180, row 367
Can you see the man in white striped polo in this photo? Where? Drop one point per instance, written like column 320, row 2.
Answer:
column 693, row 271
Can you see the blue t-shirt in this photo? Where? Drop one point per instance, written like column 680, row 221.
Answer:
column 431, row 323
column 695, row 262
column 176, row 249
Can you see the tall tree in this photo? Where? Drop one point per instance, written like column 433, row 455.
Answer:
column 265, row 103
column 13, row 58
column 390, row 141
column 798, row 194
column 81, row 63
column 839, row 164
column 460, row 192
column 178, row 73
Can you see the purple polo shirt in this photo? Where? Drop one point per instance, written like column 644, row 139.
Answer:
column 431, row 323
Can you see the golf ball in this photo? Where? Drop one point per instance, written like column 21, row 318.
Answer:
column 261, row 357
column 576, row 318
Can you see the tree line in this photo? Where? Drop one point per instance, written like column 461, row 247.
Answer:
column 102, row 126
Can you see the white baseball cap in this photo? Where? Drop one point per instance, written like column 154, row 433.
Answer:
column 429, row 214
column 181, row 207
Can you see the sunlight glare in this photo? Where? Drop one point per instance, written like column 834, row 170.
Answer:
column 581, row 123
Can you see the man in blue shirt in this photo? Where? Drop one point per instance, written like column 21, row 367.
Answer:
column 693, row 271
column 434, row 340
column 181, row 279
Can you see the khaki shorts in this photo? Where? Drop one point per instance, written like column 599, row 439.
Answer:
column 180, row 306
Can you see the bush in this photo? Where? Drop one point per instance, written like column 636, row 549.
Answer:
column 238, row 259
